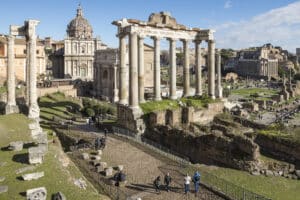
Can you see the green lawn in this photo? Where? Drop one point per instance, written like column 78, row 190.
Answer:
column 250, row 91
column 197, row 102
column 277, row 188
column 58, row 177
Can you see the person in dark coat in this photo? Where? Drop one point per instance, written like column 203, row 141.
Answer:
column 156, row 184
column 167, row 181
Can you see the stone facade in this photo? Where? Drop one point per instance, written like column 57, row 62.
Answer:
column 260, row 62
column 79, row 48
column 20, row 55
column 106, row 72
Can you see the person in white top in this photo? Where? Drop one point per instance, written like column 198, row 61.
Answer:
column 187, row 181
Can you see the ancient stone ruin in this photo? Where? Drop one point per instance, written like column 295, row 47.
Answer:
column 160, row 25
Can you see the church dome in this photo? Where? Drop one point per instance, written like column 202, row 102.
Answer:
column 80, row 27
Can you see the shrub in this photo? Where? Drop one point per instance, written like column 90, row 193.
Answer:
column 90, row 112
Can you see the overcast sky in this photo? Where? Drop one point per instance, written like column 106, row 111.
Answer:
column 238, row 23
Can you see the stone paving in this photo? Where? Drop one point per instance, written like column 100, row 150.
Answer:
column 142, row 167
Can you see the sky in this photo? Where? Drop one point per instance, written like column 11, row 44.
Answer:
column 238, row 23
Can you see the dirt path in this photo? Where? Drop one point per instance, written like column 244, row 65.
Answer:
column 142, row 167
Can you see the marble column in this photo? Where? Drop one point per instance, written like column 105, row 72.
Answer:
column 211, row 69
column 172, row 68
column 133, row 71
column 219, row 75
column 186, row 69
column 34, row 111
column 11, row 106
column 27, row 73
column 116, row 91
column 157, row 93
column 123, row 94
column 141, row 69
column 198, row 68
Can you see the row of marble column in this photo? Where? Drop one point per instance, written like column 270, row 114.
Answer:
column 31, row 79
column 136, row 70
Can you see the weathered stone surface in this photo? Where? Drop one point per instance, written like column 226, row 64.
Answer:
column 108, row 171
column 291, row 168
column 269, row 173
column 297, row 172
column 3, row 188
column 85, row 156
column 36, row 194
column 16, row 146
column 2, row 178
column 95, row 162
column 41, row 138
column 25, row 169
column 36, row 155
column 255, row 173
column 34, row 125
column 120, row 167
column 33, row 176
column 294, row 176
column 99, row 152
column 96, row 158
column 59, row 196
column 80, row 183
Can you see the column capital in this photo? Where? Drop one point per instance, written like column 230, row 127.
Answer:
column 141, row 37
column 156, row 38
column 185, row 40
column 172, row 39
column 211, row 41
column 197, row 42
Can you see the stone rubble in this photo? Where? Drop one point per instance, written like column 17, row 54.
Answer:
column 108, row 171
column 2, row 178
column 36, row 155
column 16, row 146
column 85, row 156
column 3, row 188
column 80, row 183
column 33, row 176
column 25, row 169
column 59, row 196
column 36, row 194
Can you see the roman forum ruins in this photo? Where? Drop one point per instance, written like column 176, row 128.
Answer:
column 161, row 25
column 29, row 32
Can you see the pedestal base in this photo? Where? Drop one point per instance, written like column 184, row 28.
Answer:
column 9, row 109
column 34, row 112
column 131, row 118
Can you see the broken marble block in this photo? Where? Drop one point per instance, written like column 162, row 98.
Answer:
column 41, row 138
column 16, row 146
column 36, row 194
column 36, row 155
column 108, row 171
column 99, row 152
column 33, row 176
column 59, row 196
column 2, row 178
column 3, row 188
column 96, row 158
column 101, row 167
column 85, row 156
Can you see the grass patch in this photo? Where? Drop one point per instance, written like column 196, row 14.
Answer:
column 277, row 188
column 196, row 102
column 3, row 89
column 58, row 177
column 255, row 93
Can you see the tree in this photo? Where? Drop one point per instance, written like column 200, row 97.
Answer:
column 90, row 112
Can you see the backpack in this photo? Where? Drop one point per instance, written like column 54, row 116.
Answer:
column 197, row 178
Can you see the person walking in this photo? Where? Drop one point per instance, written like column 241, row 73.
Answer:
column 187, row 181
column 156, row 184
column 105, row 132
column 196, row 180
column 167, row 181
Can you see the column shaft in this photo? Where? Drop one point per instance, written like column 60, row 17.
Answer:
column 27, row 73
column 219, row 75
column 198, row 69
column 211, row 69
column 141, row 69
column 123, row 94
column 186, row 69
column 172, row 69
column 11, row 87
column 133, row 72
column 157, row 93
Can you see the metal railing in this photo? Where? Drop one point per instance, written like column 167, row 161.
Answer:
column 224, row 188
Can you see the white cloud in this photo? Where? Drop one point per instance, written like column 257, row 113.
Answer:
column 228, row 4
column 279, row 26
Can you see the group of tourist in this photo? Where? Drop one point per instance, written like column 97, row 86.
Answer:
column 187, row 181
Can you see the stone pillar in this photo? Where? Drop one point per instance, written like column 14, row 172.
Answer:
column 27, row 73
column 133, row 71
column 186, row 69
column 11, row 106
column 219, row 75
column 34, row 111
column 198, row 69
column 123, row 94
column 172, row 69
column 211, row 69
column 157, row 95
column 115, row 84
column 141, row 69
